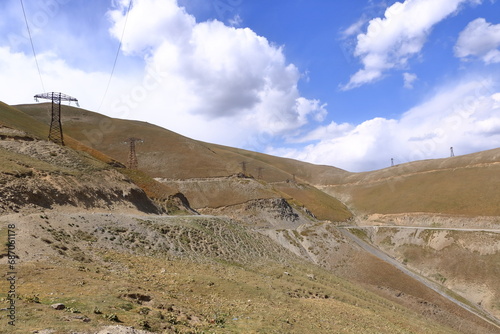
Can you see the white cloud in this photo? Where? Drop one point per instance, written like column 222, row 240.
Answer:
column 465, row 116
column 479, row 39
column 24, row 81
column 236, row 21
column 409, row 79
column 205, row 80
column 355, row 28
column 391, row 41
column 225, row 75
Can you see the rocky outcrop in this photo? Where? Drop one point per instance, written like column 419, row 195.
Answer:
column 262, row 213
column 38, row 174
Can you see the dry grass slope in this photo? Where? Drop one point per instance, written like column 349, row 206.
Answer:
column 465, row 185
column 183, row 275
column 165, row 154
column 199, row 274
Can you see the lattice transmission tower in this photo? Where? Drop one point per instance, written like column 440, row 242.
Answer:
column 244, row 167
column 55, row 132
column 132, row 157
column 259, row 175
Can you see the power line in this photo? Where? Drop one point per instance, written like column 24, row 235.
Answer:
column 132, row 157
column 56, row 132
column 32, row 46
column 116, row 56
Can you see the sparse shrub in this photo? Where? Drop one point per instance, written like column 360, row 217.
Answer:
column 97, row 310
column 144, row 324
column 111, row 317
column 359, row 233
column 171, row 319
column 220, row 319
column 82, row 235
column 72, row 310
column 126, row 306
column 33, row 299
column 440, row 278
column 144, row 310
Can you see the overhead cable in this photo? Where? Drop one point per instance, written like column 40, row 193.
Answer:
column 116, row 56
column 32, row 46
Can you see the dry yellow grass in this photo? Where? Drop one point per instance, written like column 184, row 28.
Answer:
column 188, row 292
column 212, row 270
column 165, row 154
column 465, row 185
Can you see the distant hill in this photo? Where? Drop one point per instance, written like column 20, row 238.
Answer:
column 191, row 242
column 167, row 155
column 463, row 185
column 108, row 134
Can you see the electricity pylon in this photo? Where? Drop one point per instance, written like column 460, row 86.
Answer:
column 55, row 132
column 259, row 176
column 132, row 158
column 244, row 167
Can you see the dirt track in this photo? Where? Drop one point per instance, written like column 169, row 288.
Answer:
column 384, row 257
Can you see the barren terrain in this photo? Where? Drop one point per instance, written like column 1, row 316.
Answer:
column 192, row 242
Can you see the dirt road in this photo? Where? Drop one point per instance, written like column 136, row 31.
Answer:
column 384, row 257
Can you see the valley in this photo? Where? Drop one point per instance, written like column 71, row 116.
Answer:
column 191, row 242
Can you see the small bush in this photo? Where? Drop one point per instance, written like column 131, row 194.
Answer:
column 111, row 317
column 126, row 307
column 144, row 324
column 72, row 310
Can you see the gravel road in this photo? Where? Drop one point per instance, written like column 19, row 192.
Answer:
column 384, row 257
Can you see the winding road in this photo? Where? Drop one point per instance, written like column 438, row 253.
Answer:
column 384, row 257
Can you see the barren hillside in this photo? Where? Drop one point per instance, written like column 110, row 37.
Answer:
column 207, row 169
column 270, row 252
column 462, row 185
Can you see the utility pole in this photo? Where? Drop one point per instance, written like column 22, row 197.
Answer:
column 132, row 157
column 452, row 153
column 55, row 132
column 243, row 167
column 259, row 175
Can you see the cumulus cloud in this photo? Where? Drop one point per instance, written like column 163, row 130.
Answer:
column 479, row 39
column 214, row 71
column 24, row 81
column 355, row 28
column 409, row 79
column 392, row 40
column 465, row 116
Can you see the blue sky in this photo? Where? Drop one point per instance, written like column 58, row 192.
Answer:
column 350, row 84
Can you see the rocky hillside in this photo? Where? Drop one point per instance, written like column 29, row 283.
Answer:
column 209, row 274
column 42, row 175
column 193, row 165
column 462, row 185
column 192, row 243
